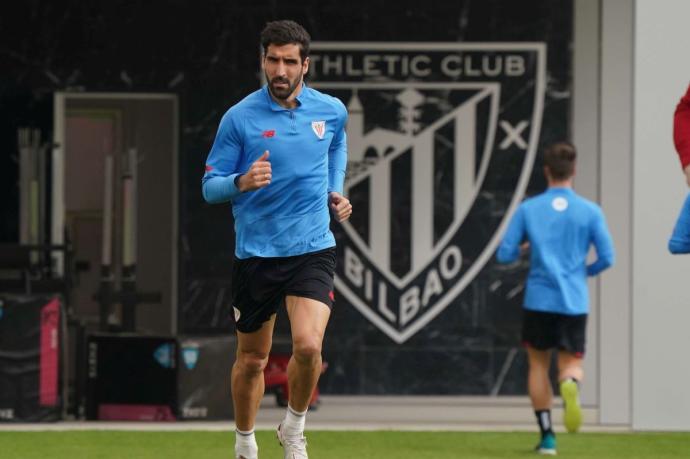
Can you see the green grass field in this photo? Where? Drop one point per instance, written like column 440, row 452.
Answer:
column 337, row 445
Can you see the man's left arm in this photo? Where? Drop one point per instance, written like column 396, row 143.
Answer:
column 337, row 164
column 603, row 244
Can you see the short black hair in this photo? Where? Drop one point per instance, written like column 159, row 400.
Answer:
column 286, row 32
column 560, row 158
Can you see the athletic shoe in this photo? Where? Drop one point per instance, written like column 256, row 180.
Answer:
column 547, row 445
column 572, row 416
column 294, row 447
column 242, row 456
column 239, row 454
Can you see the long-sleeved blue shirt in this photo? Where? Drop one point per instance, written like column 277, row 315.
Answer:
column 308, row 155
column 560, row 227
column 680, row 239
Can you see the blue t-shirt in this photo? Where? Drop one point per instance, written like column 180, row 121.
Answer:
column 560, row 227
column 308, row 155
column 680, row 239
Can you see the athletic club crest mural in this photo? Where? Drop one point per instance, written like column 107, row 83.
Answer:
column 437, row 133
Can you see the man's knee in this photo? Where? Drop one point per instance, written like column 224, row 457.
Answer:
column 307, row 350
column 251, row 363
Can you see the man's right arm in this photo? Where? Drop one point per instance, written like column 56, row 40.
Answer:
column 219, row 184
column 680, row 239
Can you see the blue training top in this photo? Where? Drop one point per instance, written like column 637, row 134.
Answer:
column 680, row 239
column 560, row 227
column 308, row 155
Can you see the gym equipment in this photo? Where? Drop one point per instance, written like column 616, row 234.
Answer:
column 127, row 296
column 32, row 340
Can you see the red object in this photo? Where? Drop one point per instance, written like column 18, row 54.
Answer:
column 117, row 412
column 681, row 129
column 209, row 168
column 276, row 379
column 268, row 134
column 50, row 319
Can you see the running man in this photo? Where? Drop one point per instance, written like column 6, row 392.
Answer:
column 680, row 239
column 280, row 156
column 557, row 227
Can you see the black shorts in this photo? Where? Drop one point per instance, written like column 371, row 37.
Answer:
column 547, row 330
column 259, row 285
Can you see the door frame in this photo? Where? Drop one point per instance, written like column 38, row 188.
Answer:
column 58, row 215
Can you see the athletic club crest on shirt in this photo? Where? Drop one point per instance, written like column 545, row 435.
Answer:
column 319, row 128
column 441, row 142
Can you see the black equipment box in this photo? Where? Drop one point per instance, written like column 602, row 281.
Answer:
column 30, row 358
column 158, row 378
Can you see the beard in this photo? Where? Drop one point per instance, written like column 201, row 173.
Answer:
column 283, row 93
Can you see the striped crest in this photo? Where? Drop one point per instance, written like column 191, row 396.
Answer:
column 319, row 128
column 437, row 162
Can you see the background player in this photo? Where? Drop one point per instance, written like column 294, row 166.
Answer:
column 557, row 227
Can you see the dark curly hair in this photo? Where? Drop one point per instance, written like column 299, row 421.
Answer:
column 286, row 32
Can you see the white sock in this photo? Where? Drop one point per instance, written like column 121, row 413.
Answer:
column 293, row 424
column 245, row 444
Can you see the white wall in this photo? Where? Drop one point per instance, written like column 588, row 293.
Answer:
column 615, row 142
column 661, row 297
column 585, row 136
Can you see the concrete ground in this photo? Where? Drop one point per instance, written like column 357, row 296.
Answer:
column 370, row 413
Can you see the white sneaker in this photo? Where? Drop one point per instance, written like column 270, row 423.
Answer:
column 294, row 447
column 245, row 454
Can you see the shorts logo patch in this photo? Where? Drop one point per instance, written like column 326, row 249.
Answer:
column 559, row 204
column 237, row 314
column 268, row 133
